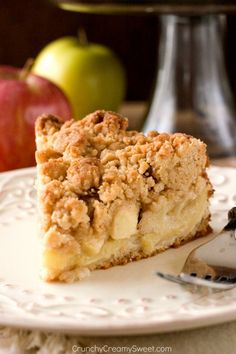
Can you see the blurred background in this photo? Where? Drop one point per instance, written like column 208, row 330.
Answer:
column 26, row 27
column 193, row 95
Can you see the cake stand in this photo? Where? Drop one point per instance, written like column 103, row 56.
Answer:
column 192, row 92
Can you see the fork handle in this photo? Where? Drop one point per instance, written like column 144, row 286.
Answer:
column 231, row 225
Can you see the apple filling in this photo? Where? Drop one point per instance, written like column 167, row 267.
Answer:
column 156, row 229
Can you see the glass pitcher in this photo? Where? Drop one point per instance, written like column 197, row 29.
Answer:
column 192, row 94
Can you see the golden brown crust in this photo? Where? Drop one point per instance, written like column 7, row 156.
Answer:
column 98, row 154
column 88, row 169
column 48, row 124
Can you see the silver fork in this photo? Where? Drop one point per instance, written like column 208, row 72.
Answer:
column 212, row 264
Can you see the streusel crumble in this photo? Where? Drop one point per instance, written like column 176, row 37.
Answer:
column 108, row 196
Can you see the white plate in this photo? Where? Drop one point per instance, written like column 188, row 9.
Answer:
column 126, row 299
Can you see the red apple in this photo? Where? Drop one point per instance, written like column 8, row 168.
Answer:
column 22, row 99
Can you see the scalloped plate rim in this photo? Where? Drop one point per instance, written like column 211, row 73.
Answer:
column 122, row 326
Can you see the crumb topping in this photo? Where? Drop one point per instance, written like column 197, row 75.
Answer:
column 88, row 168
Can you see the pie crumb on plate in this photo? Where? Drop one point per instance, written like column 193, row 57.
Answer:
column 109, row 196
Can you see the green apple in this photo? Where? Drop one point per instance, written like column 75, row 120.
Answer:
column 90, row 74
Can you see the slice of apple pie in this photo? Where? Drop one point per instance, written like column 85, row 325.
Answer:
column 108, row 196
